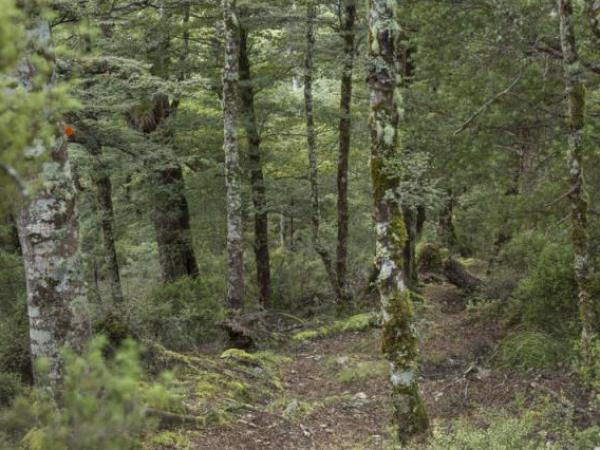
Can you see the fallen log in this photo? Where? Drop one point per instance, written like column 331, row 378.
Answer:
column 458, row 275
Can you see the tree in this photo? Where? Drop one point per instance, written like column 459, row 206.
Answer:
column 231, row 76
column 345, row 131
column 399, row 339
column 575, row 91
column 257, row 181
column 311, row 16
column 49, row 235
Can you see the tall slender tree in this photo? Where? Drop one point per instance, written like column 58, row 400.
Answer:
column 309, row 53
column 257, row 181
column 575, row 91
column 231, row 76
column 399, row 338
column 348, row 34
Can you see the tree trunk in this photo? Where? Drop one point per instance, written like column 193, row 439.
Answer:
column 575, row 92
column 410, row 247
column 257, row 183
column 311, row 15
column 399, row 337
column 48, row 230
column 345, row 131
column 171, row 220
column 446, row 228
column 170, row 215
column 103, row 185
column 235, row 253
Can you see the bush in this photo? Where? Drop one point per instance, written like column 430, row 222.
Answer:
column 549, row 427
column 180, row 315
column 503, row 433
column 102, row 406
column 547, row 297
column 10, row 387
column 531, row 350
column 429, row 258
column 14, row 328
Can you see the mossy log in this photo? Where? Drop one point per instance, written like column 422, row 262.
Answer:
column 458, row 275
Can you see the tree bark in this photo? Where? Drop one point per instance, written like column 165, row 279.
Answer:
column 171, row 220
column 345, row 133
column 257, row 183
column 311, row 15
column 49, row 235
column 105, row 209
column 399, row 337
column 575, row 92
column 235, row 254
column 410, row 247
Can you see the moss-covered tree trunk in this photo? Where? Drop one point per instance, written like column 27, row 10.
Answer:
column 48, row 228
column 235, row 254
column 399, row 336
column 575, row 92
column 345, row 133
column 257, row 182
column 309, row 53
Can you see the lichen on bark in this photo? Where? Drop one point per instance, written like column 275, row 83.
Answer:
column 575, row 93
column 48, row 226
column 399, row 342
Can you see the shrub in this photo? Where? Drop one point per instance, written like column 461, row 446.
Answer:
column 10, row 387
column 547, row 297
column 102, row 405
column 429, row 258
column 549, row 427
column 180, row 315
column 530, row 350
column 503, row 433
column 14, row 328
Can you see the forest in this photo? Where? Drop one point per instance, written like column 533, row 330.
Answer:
column 299, row 224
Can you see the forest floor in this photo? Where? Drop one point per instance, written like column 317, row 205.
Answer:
column 334, row 392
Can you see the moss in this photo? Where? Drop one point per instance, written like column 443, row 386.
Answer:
column 180, row 440
column 363, row 370
column 399, row 342
column 241, row 356
column 399, row 345
column 358, row 322
column 399, row 236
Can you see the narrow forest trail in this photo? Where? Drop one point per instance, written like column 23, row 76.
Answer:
column 335, row 393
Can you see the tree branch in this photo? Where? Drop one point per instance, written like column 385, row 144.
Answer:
column 488, row 103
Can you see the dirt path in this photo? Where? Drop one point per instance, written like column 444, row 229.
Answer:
column 335, row 391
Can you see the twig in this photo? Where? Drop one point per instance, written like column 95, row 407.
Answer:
column 488, row 103
column 12, row 173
